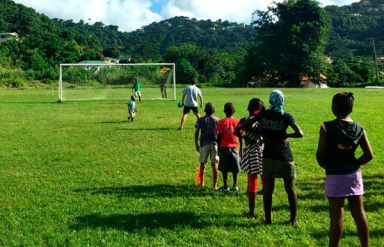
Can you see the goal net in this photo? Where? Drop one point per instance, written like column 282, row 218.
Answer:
column 115, row 81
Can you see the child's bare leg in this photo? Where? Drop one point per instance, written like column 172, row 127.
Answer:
column 251, row 204
column 336, row 213
column 215, row 169
column 234, row 179
column 289, row 185
column 197, row 115
column 225, row 179
column 358, row 213
column 183, row 118
column 202, row 171
column 251, row 192
column 269, row 186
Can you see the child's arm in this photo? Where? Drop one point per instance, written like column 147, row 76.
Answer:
column 197, row 139
column 182, row 100
column 367, row 150
column 298, row 133
column 201, row 101
column 219, row 138
column 321, row 146
column 241, row 145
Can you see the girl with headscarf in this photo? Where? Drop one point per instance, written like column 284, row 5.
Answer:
column 277, row 156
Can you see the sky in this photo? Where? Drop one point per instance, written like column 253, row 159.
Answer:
column 130, row 15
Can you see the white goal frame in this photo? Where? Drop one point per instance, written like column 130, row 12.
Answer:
column 60, row 90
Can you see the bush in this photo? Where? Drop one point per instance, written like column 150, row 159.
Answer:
column 13, row 78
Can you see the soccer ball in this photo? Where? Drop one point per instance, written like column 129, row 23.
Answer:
column 179, row 104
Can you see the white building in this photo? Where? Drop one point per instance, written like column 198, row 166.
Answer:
column 7, row 36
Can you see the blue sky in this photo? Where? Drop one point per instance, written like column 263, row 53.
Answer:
column 130, row 15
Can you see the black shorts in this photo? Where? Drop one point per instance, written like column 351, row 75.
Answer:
column 229, row 160
column 187, row 109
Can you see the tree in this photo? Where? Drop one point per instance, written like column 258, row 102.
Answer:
column 291, row 38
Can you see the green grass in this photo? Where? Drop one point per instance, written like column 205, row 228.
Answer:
column 78, row 174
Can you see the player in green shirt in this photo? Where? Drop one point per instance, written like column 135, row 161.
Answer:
column 136, row 89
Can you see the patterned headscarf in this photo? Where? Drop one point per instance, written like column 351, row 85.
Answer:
column 276, row 98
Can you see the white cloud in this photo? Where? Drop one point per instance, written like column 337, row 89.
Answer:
column 232, row 10
column 133, row 14
column 127, row 14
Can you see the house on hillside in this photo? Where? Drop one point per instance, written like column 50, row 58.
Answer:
column 107, row 60
column 8, row 36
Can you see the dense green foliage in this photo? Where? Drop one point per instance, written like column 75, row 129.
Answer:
column 78, row 174
column 291, row 37
column 214, row 51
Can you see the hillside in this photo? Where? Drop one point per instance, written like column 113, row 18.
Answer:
column 354, row 27
column 45, row 42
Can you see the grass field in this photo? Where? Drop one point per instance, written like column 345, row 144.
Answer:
column 78, row 174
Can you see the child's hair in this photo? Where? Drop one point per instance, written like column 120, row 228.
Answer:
column 209, row 108
column 342, row 104
column 193, row 81
column 133, row 98
column 229, row 109
column 254, row 105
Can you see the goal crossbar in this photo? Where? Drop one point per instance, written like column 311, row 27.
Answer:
column 60, row 91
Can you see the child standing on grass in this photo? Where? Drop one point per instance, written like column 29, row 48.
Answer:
column 336, row 154
column 277, row 156
column 228, row 152
column 206, row 126
column 132, row 108
column 252, row 154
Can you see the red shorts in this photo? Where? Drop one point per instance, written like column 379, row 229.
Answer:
column 252, row 183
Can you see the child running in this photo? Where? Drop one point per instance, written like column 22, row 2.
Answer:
column 252, row 154
column 208, row 142
column 336, row 154
column 228, row 152
column 277, row 156
column 132, row 108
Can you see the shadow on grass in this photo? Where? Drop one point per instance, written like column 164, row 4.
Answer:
column 153, row 221
column 145, row 191
column 373, row 185
column 373, row 233
column 114, row 122
column 311, row 190
column 131, row 222
column 137, row 129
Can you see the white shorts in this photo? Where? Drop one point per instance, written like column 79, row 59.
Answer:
column 137, row 94
column 209, row 150
column 132, row 114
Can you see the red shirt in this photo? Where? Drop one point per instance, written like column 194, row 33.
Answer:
column 225, row 128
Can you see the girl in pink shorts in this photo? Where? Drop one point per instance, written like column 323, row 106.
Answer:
column 336, row 154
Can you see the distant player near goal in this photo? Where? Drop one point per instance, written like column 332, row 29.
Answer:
column 136, row 89
column 189, row 102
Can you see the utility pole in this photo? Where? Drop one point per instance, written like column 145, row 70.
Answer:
column 375, row 58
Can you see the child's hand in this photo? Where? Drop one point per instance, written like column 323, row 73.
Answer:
column 197, row 148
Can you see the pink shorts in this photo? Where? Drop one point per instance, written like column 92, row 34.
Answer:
column 344, row 185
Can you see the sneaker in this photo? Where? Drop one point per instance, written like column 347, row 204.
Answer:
column 235, row 189
column 224, row 190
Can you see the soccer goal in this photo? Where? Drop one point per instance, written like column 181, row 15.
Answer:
column 95, row 81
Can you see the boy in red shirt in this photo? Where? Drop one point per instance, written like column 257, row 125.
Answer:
column 228, row 152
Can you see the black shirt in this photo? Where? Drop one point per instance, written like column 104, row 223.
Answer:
column 343, row 138
column 274, row 126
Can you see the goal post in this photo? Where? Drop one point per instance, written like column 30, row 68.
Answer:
column 83, row 75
